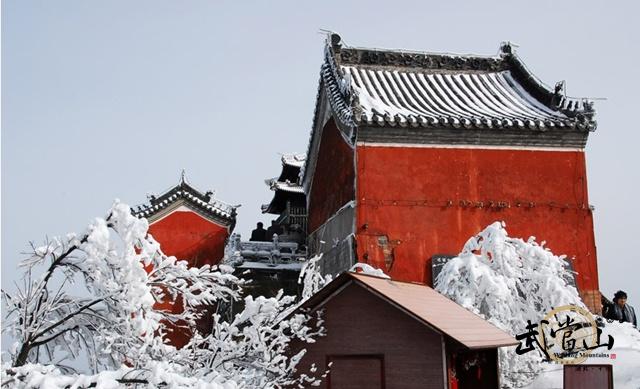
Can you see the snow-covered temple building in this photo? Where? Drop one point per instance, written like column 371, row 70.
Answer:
column 191, row 225
column 412, row 153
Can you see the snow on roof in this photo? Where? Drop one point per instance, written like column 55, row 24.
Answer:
column 294, row 159
column 427, row 306
column 286, row 186
column 390, row 87
column 462, row 99
column 203, row 202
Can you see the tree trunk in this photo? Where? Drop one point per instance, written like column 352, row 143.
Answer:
column 21, row 359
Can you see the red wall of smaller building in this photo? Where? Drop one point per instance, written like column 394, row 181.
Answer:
column 190, row 237
column 415, row 202
column 333, row 179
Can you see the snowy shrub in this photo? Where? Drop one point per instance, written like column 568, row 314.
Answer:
column 155, row 375
column 119, row 273
column 509, row 281
column 253, row 347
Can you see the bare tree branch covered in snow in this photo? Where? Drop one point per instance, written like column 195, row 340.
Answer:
column 124, row 273
column 509, row 281
column 311, row 277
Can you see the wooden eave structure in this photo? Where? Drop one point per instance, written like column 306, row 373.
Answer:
column 286, row 186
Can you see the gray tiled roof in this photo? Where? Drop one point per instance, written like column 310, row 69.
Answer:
column 371, row 87
column 202, row 202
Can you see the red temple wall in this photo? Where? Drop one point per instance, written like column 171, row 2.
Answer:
column 414, row 202
column 190, row 237
column 333, row 178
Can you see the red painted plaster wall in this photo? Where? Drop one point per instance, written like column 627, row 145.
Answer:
column 414, row 202
column 333, row 178
column 190, row 237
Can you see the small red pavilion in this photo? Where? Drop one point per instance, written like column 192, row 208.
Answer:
column 192, row 226
column 189, row 224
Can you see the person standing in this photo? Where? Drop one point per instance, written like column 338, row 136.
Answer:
column 273, row 229
column 620, row 310
column 259, row 234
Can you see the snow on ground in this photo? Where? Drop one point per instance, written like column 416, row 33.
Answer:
column 626, row 364
column 509, row 281
column 159, row 374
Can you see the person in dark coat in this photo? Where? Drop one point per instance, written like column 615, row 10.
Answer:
column 259, row 234
column 274, row 229
column 620, row 310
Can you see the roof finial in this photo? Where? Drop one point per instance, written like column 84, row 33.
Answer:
column 333, row 39
column 336, row 40
column 508, row 48
column 183, row 177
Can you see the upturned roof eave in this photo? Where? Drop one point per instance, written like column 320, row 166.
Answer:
column 201, row 202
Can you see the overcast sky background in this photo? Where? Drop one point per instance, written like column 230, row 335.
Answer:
column 111, row 99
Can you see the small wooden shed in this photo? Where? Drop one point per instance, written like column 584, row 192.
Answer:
column 389, row 334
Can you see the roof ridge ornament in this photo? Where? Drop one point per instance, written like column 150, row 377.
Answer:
column 336, row 40
column 507, row 48
column 559, row 95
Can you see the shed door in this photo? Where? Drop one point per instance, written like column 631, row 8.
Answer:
column 356, row 372
column 588, row 377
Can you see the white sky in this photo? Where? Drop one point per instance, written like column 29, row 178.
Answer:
column 104, row 100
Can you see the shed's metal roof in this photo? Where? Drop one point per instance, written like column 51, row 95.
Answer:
column 427, row 306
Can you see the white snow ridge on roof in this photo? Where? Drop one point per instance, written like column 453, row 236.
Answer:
column 288, row 187
column 464, row 99
column 374, row 87
column 294, row 159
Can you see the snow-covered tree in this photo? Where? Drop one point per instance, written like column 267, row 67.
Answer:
column 311, row 277
column 509, row 281
column 123, row 273
column 253, row 347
